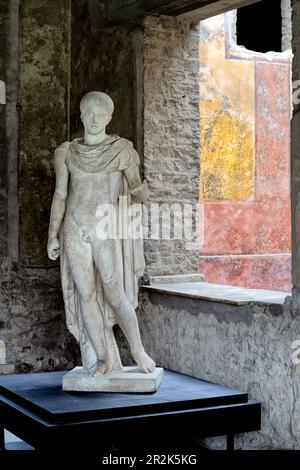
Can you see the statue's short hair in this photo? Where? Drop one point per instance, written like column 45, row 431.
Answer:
column 102, row 98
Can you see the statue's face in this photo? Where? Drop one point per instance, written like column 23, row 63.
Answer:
column 95, row 118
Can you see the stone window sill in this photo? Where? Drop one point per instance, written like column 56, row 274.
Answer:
column 219, row 293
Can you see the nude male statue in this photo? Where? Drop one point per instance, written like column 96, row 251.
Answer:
column 99, row 274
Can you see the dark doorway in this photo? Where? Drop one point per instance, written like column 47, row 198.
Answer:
column 259, row 26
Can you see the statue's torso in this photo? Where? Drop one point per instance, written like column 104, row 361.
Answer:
column 87, row 192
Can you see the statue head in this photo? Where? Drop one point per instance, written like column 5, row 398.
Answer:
column 96, row 111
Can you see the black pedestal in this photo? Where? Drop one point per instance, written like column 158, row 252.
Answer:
column 35, row 408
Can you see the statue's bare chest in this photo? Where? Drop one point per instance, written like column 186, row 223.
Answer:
column 105, row 185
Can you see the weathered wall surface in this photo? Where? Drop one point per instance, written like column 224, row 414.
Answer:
column 3, row 143
column 102, row 61
column 171, row 131
column 32, row 322
column 248, row 347
column 286, row 14
column 43, row 100
column 296, row 38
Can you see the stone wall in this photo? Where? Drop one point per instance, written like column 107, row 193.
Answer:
column 3, row 142
column 286, row 14
column 248, row 347
column 43, row 101
column 102, row 60
column 171, row 130
column 32, row 322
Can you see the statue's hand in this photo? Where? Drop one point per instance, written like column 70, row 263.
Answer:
column 53, row 248
column 140, row 192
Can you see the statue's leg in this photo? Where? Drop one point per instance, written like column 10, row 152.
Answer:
column 108, row 260
column 82, row 267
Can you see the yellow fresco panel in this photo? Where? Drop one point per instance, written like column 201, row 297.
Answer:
column 227, row 119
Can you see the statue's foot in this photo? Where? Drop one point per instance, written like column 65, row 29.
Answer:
column 109, row 367
column 99, row 369
column 144, row 362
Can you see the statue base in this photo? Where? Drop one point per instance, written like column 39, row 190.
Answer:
column 127, row 380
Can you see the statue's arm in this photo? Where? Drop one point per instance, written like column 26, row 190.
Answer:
column 59, row 200
column 137, row 188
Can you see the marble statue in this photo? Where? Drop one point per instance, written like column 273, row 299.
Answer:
column 2, row 93
column 4, row 367
column 99, row 273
